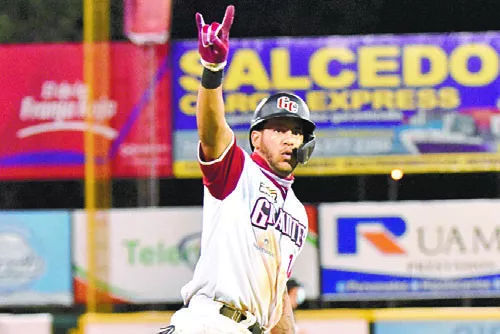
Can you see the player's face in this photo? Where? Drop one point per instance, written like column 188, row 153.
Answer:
column 276, row 142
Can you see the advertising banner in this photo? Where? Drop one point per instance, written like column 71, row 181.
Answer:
column 44, row 105
column 333, row 326
column 403, row 250
column 446, row 320
column 35, row 260
column 38, row 323
column 126, row 323
column 421, row 103
column 147, row 21
column 152, row 253
column 305, row 269
column 437, row 327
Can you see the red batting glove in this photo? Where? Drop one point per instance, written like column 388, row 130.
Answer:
column 213, row 40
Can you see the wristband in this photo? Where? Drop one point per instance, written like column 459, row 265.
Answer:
column 211, row 79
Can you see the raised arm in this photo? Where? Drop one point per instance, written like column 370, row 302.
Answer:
column 286, row 324
column 213, row 46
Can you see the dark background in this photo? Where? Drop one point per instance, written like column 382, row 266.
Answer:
column 26, row 21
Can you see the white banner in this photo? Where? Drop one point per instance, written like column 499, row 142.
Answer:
column 305, row 327
column 306, row 267
column 123, row 323
column 445, row 249
column 309, row 322
column 38, row 323
column 152, row 252
column 333, row 326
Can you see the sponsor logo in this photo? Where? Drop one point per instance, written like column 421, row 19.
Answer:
column 189, row 249
column 271, row 192
column 444, row 249
column 186, row 252
column 20, row 265
column 62, row 107
column 380, row 232
column 263, row 245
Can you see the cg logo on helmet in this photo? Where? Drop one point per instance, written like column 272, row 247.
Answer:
column 381, row 232
column 285, row 103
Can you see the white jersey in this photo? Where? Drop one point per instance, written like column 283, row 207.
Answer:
column 253, row 230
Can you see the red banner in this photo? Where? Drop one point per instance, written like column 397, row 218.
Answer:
column 43, row 100
column 147, row 21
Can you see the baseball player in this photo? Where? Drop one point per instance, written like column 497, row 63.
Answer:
column 253, row 225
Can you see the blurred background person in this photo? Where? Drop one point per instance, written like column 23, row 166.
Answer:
column 297, row 295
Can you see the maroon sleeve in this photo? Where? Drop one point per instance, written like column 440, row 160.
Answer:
column 221, row 176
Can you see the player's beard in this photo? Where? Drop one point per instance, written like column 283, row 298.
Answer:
column 276, row 162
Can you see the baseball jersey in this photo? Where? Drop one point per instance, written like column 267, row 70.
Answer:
column 253, row 230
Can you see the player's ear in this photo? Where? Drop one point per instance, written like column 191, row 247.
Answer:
column 255, row 138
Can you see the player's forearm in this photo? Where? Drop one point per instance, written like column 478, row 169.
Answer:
column 209, row 113
column 286, row 325
column 213, row 130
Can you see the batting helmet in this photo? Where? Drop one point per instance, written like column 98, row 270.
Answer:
column 287, row 105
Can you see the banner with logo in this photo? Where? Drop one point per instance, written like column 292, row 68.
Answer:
column 421, row 103
column 404, row 250
column 43, row 110
column 152, row 253
column 35, row 262
column 437, row 327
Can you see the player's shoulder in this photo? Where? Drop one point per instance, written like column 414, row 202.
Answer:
column 245, row 153
column 292, row 196
column 247, row 159
column 250, row 170
column 298, row 205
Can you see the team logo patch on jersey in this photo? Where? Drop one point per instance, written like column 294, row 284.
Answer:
column 269, row 191
column 262, row 245
column 265, row 214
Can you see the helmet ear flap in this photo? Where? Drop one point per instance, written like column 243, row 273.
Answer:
column 305, row 151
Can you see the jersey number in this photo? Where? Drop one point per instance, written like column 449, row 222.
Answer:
column 289, row 269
